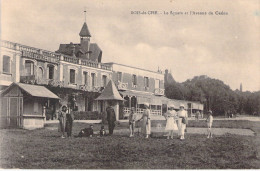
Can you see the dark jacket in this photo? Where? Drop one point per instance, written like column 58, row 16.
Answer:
column 111, row 116
column 86, row 132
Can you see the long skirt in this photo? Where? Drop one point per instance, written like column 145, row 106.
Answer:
column 62, row 123
column 171, row 124
column 146, row 126
column 181, row 127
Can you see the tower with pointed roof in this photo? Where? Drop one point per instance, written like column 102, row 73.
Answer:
column 84, row 49
column 85, row 37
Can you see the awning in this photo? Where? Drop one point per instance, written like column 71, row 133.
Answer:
column 143, row 97
column 175, row 103
column 201, row 107
column 195, row 106
column 33, row 90
column 110, row 93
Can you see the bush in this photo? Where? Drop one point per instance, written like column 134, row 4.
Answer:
column 88, row 115
column 48, row 116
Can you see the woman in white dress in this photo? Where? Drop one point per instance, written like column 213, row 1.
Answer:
column 171, row 124
column 182, row 121
column 146, row 125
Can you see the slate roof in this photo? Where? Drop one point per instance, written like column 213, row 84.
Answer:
column 95, row 53
column 84, row 32
column 110, row 92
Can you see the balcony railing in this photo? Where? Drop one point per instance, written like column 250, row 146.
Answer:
column 122, row 86
column 90, row 88
column 30, row 79
column 71, row 59
column 159, row 91
column 140, row 111
column 39, row 57
column 48, row 56
column 89, row 63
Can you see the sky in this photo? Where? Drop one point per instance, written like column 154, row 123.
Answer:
column 224, row 47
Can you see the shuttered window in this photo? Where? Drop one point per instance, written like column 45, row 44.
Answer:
column 85, row 75
column 72, row 76
column 6, row 64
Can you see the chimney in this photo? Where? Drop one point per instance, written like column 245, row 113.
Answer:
column 72, row 49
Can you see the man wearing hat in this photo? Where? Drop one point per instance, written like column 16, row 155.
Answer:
column 183, row 118
column 111, row 117
column 209, row 123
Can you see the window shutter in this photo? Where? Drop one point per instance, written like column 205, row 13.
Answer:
column 95, row 83
column 89, row 80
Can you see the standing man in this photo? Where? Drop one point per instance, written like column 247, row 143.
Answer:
column 111, row 117
column 69, row 123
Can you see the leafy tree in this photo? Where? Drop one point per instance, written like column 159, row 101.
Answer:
column 215, row 95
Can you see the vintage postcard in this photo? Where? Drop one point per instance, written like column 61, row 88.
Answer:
column 130, row 84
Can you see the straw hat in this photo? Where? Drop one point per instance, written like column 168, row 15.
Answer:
column 171, row 106
column 182, row 105
column 146, row 104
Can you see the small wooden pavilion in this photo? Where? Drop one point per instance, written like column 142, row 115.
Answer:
column 23, row 106
column 110, row 93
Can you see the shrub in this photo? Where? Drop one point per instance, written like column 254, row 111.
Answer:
column 87, row 115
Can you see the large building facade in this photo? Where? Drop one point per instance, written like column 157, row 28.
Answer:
column 76, row 69
column 138, row 86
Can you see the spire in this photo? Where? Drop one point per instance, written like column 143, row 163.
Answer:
column 84, row 30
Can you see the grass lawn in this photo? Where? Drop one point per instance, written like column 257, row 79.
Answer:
column 43, row 148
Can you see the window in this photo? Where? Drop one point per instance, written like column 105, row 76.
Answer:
column 146, row 81
column 104, row 80
column 51, row 71
column 119, row 76
column 134, row 80
column 72, row 76
column 29, row 68
column 157, row 83
column 6, row 64
column 40, row 73
column 85, row 77
column 93, row 79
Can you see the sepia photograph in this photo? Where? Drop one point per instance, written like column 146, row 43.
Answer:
column 129, row 84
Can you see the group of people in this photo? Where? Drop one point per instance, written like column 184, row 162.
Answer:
column 175, row 121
